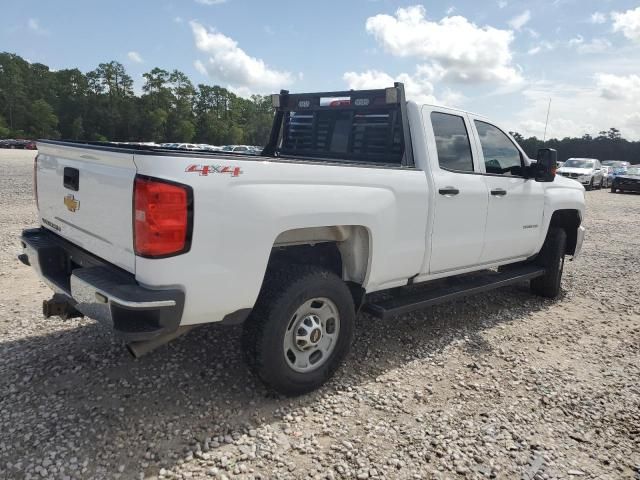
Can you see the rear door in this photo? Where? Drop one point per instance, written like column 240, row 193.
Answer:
column 516, row 204
column 85, row 195
column 460, row 203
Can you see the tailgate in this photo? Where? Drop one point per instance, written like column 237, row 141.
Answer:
column 85, row 195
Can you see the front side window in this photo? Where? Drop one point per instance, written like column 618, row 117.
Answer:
column 501, row 156
column 452, row 142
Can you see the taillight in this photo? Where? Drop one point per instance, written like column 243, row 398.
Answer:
column 35, row 180
column 163, row 213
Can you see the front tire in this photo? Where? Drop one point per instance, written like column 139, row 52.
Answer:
column 300, row 329
column 551, row 257
column 590, row 186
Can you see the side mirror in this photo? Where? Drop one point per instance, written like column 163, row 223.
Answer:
column 546, row 165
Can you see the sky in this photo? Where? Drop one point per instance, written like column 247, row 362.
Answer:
column 504, row 59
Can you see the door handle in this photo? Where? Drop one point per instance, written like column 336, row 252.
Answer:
column 499, row 192
column 449, row 191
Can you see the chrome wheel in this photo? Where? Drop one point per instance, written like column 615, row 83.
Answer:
column 312, row 334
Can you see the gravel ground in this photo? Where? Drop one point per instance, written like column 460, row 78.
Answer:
column 503, row 385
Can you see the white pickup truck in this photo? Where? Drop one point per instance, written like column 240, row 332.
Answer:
column 357, row 192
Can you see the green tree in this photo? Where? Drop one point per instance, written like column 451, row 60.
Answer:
column 4, row 129
column 13, row 78
column 77, row 130
column 184, row 131
column 235, row 134
column 155, row 123
column 614, row 134
column 43, row 120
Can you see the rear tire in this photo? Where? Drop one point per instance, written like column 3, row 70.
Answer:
column 301, row 328
column 613, row 189
column 551, row 257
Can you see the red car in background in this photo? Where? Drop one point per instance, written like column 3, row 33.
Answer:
column 18, row 144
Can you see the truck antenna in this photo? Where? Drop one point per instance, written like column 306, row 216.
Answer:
column 547, row 122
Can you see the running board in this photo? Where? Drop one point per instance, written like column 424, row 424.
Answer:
column 453, row 288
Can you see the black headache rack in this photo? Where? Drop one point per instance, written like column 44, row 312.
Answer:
column 359, row 126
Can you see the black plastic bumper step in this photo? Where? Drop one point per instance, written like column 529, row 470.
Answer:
column 451, row 289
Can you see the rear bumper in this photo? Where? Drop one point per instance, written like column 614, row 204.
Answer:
column 100, row 290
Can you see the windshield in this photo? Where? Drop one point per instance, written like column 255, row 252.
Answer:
column 577, row 163
column 612, row 163
column 633, row 171
column 619, row 170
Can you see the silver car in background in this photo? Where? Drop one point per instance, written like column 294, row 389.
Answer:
column 587, row 171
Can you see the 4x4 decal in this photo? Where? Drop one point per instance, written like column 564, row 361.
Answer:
column 205, row 170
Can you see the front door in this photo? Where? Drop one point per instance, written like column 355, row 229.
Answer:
column 460, row 203
column 516, row 204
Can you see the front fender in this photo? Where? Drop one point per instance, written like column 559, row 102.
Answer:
column 560, row 197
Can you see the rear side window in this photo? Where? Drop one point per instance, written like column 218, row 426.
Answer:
column 501, row 156
column 452, row 142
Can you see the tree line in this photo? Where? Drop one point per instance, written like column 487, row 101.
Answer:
column 607, row 145
column 37, row 102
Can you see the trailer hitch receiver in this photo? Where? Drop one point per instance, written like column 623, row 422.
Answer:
column 59, row 306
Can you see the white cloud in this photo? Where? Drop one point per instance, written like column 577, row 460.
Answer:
column 178, row 19
column 633, row 120
column 33, row 24
column 577, row 40
column 417, row 86
column 453, row 98
column 229, row 64
column 521, row 20
column 455, row 48
column 597, row 45
column 533, row 33
column 628, row 23
column 134, row 57
column 542, row 46
column 619, row 87
column 210, row 2
column 199, row 66
column 575, row 110
column 502, row 4
column 598, row 18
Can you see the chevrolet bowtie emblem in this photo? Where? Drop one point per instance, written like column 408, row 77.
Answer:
column 71, row 203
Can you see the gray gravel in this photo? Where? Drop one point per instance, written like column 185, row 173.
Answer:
column 504, row 385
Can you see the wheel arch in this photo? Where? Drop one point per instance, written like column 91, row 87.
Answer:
column 569, row 220
column 343, row 249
